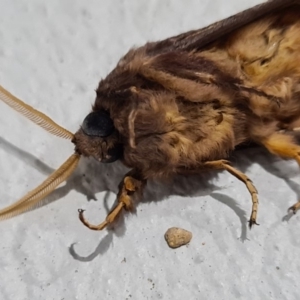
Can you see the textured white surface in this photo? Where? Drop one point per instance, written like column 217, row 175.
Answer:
column 52, row 55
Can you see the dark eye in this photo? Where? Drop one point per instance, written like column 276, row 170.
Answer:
column 98, row 124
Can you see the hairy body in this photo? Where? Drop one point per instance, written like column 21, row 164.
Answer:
column 198, row 105
column 179, row 107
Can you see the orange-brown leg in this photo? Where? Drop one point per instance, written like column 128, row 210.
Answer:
column 127, row 188
column 284, row 146
column 225, row 165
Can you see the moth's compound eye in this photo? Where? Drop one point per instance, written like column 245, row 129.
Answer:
column 98, row 124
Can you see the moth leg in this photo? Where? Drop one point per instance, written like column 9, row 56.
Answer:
column 284, row 146
column 294, row 208
column 128, row 187
column 225, row 165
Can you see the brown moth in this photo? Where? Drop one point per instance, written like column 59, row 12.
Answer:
column 182, row 105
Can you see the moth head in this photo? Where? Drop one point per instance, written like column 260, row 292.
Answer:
column 98, row 138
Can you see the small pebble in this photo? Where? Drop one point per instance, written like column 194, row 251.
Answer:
column 177, row 237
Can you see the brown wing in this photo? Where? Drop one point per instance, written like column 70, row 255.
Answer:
column 197, row 39
column 176, row 64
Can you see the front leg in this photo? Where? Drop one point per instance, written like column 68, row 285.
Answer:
column 131, row 184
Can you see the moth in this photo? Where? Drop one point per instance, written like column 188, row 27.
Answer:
column 183, row 104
